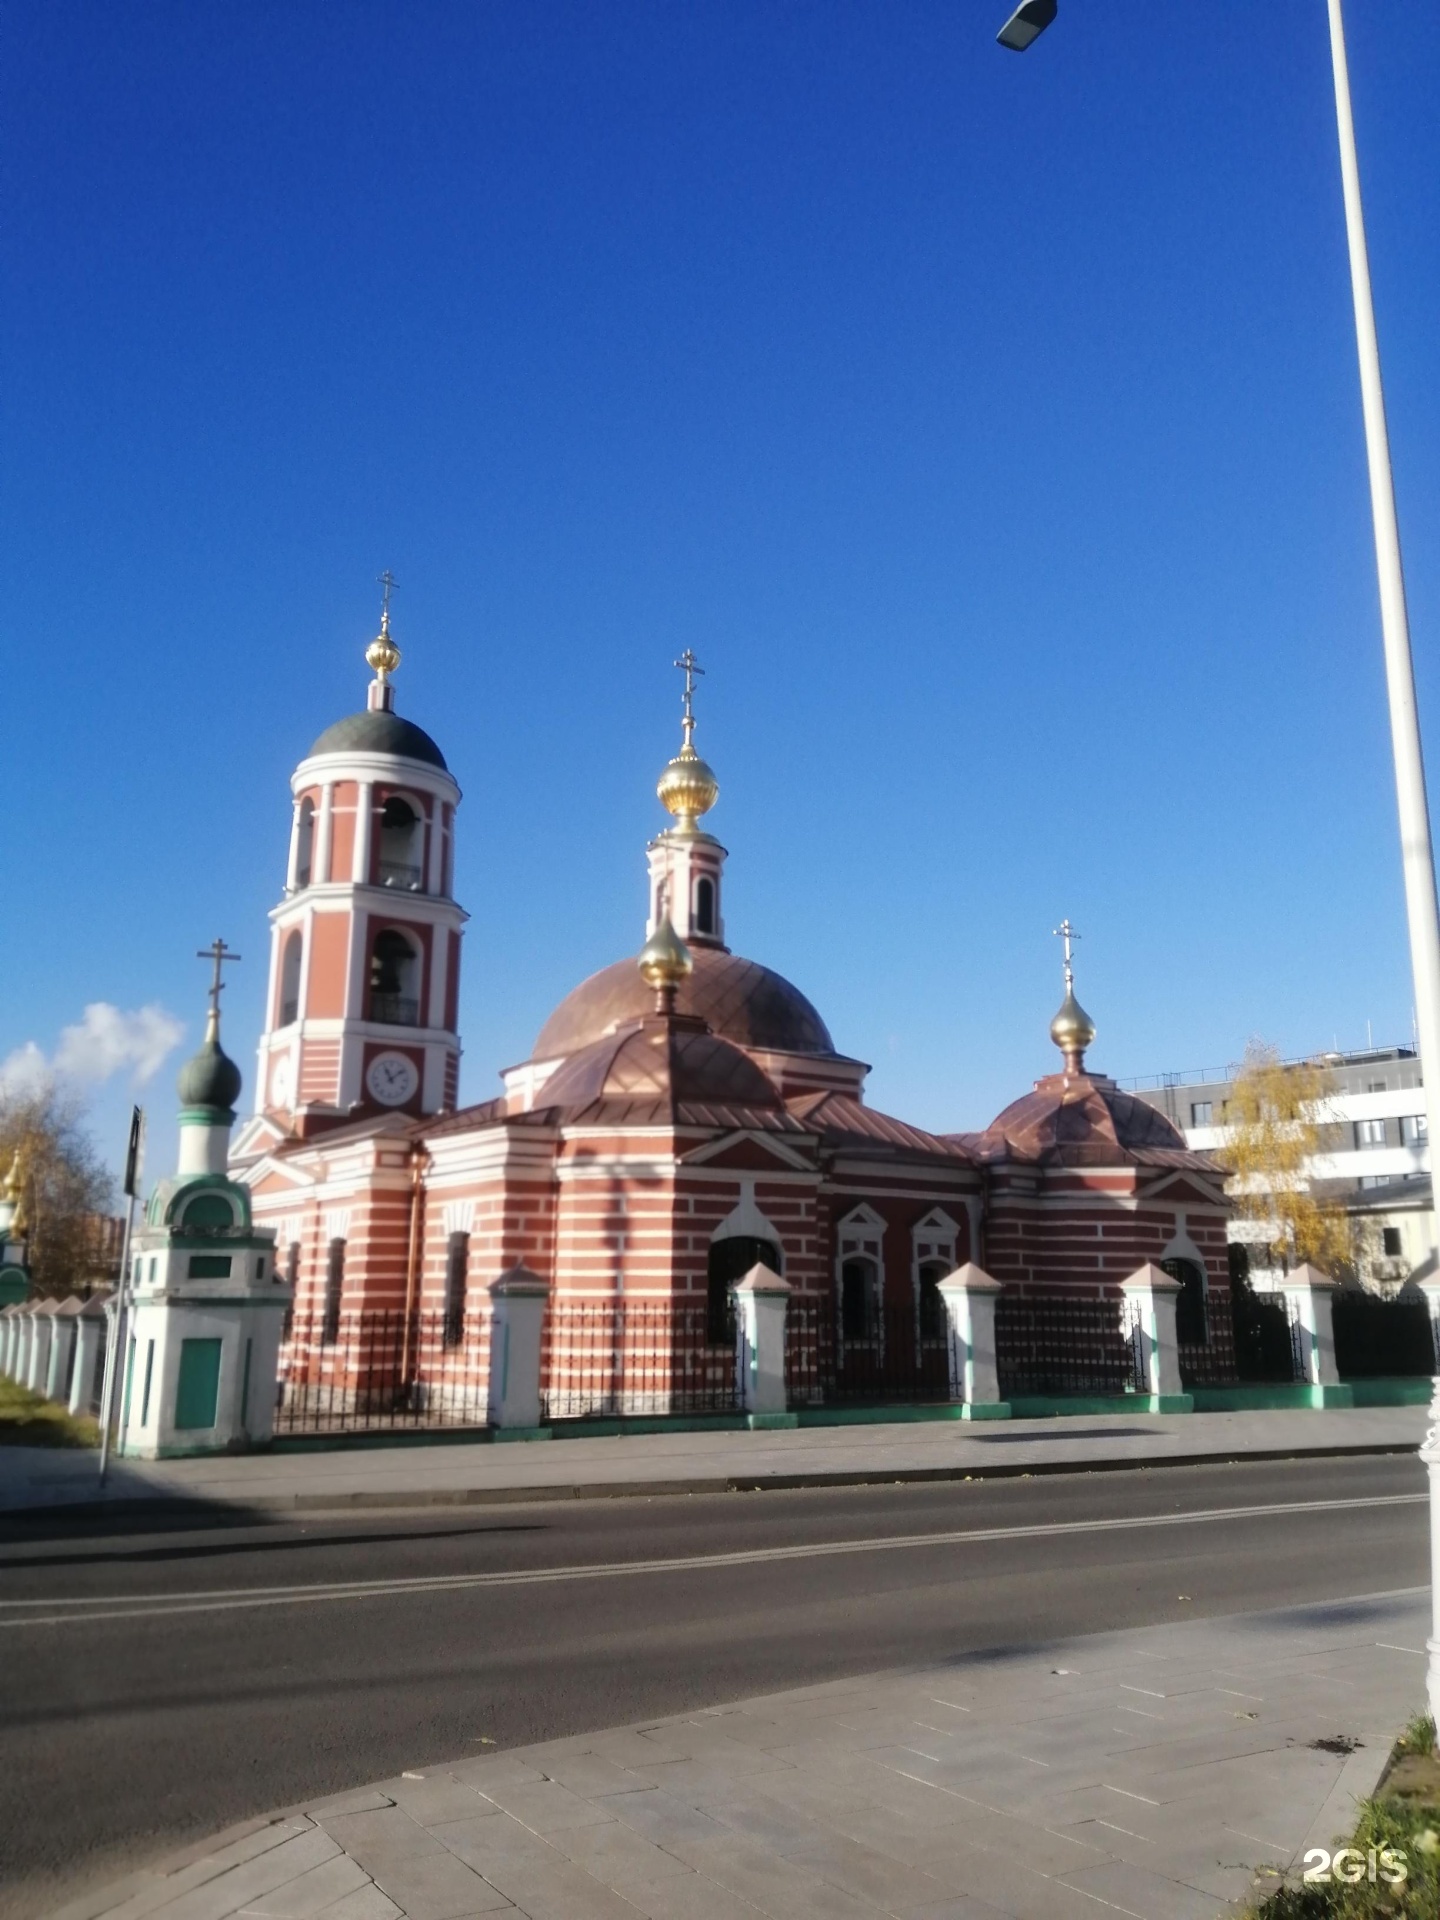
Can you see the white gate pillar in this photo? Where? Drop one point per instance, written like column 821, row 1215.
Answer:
column 760, row 1302
column 1309, row 1294
column 1151, row 1294
column 37, row 1375
column 517, row 1317
column 969, row 1295
column 89, row 1346
column 62, row 1349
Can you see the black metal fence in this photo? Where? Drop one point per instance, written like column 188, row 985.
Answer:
column 1375, row 1336
column 1268, row 1337
column 603, row 1359
column 886, row 1352
column 381, row 1367
column 1060, row 1345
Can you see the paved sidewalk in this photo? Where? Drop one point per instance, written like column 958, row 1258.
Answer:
column 1154, row 1773
column 484, row 1472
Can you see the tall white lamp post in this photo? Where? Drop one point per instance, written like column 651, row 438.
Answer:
column 1416, row 854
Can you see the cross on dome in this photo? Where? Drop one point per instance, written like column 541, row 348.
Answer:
column 691, row 668
column 382, row 653
column 219, row 954
column 1072, row 1029
column 687, row 787
column 1067, row 933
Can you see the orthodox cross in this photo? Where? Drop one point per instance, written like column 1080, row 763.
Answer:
column 388, row 581
column 1068, row 934
column 219, row 953
column 690, row 667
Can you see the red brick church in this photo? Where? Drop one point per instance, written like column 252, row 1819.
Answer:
column 684, row 1114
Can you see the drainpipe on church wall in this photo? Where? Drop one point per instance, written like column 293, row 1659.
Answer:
column 412, row 1251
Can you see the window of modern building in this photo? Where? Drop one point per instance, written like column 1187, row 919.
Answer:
column 730, row 1260
column 1201, row 1112
column 334, row 1292
column 394, row 980
column 1369, row 1133
column 1415, row 1130
column 457, row 1280
column 1391, row 1238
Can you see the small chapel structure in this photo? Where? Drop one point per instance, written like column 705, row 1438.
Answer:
column 685, row 1116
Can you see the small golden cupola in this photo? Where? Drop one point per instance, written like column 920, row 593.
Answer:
column 686, row 862
column 664, row 962
column 1072, row 1029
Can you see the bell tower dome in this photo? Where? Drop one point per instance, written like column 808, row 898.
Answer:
column 365, row 942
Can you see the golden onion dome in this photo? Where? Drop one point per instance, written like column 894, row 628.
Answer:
column 382, row 654
column 665, row 959
column 1072, row 1030
column 687, row 788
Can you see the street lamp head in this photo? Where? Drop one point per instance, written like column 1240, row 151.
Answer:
column 1026, row 24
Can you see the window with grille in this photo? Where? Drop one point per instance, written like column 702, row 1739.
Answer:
column 457, row 1279
column 334, row 1290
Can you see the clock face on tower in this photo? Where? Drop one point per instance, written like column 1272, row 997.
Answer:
column 282, row 1081
column 391, row 1078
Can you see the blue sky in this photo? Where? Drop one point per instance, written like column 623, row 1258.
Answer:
column 988, row 425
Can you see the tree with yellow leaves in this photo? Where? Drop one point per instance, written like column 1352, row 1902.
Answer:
column 1276, row 1123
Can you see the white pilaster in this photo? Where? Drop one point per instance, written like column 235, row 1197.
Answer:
column 325, row 835
column 364, row 829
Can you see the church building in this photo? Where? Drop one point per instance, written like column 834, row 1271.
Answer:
column 684, row 1114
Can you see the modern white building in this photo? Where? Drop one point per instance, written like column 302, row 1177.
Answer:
column 1376, row 1161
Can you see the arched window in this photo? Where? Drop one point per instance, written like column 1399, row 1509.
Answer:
column 305, row 843
column 1191, row 1329
column 705, row 905
column 730, row 1260
column 859, row 1298
column 334, row 1293
column 932, row 1307
column 457, row 1280
column 401, row 842
column 394, row 980
column 290, row 980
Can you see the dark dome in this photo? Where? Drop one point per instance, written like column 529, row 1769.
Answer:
column 1082, row 1119
column 209, row 1078
column 739, row 1000
column 380, row 733
column 662, row 1069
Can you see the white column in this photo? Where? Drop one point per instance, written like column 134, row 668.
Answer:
column 1310, row 1293
column 24, row 1337
column 760, row 1301
column 1430, row 1288
column 325, row 833
column 1430, row 1454
column 364, row 822
column 62, row 1346
column 1152, row 1295
column 435, row 846
column 293, row 864
column 517, row 1315
column 1415, row 850
column 970, row 1295
column 42, row 1324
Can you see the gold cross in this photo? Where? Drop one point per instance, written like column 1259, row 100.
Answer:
column 690, row 667
column 388, row 581
column 1068, row 934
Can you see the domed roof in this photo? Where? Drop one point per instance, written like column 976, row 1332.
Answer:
column 209, row 1078
column 1082, row 1120
column 665, row 1068
column 738, row 999
column 380, row 732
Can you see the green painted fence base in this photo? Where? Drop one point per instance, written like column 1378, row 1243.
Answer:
column 1047, row 1406
column 764, row 1422
column 1394, row 1391
column 985, row 1410
column 521, row 1433
column 1259, row 1396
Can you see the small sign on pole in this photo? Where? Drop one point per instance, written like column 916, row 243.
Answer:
column 114, row 1347
column 135, row 1152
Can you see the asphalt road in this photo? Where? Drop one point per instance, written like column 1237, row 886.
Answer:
column 157, row 1687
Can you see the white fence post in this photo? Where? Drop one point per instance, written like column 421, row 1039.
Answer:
column 760, row 1302
column 969, row 1295
column 1152, row 1295
column 1430, row 1454
column 1309, row 1294
column 517, row 1318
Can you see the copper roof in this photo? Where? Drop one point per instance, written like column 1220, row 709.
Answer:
column 1084, row 1120
column 665, row 1071
column 738, row 999
column 842, row 1120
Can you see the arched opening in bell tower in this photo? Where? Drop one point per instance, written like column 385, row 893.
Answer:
column 401, row 845
column 705, row 905
column 394, row 980
column 305, row 843
column 290, row 980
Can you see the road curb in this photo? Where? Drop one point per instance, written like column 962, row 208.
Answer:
column 378, row 1498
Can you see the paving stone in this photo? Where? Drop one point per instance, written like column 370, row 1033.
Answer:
column 438, row 1886
column 1138, row 1890
column 439, row 1796
column 368, row 1800
column 615, row 1853
column 156, row 1890
column 556, row 1889
column 869, row 1875
column 688, row 1896
column 543, row 1805
column 592, row 1773
column 236, row 1888
column 368, row 1904
column 660, row 1818
column 495, row 1766
column 311, row 1892
column 389, row 1832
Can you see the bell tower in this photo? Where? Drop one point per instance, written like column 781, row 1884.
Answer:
column 365, row 942
column 686, row 863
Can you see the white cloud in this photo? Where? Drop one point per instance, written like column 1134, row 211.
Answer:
column 105, row 1041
